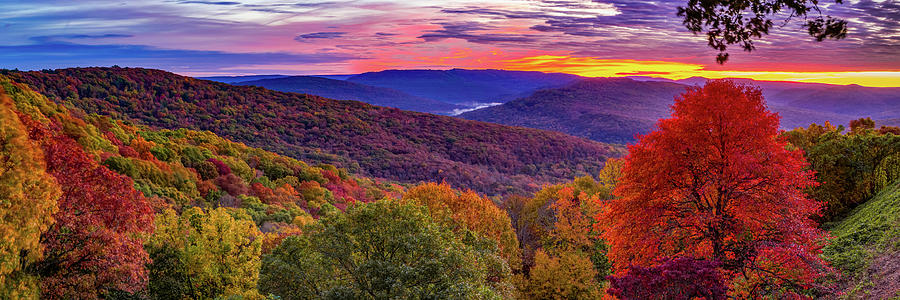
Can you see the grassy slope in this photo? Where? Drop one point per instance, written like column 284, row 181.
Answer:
column 866, row 247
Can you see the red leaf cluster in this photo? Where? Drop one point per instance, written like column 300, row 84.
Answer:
column 682, row 278
column 96, row 243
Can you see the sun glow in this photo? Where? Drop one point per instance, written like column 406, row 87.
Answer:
column 593, row 67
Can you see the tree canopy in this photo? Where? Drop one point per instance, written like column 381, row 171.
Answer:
column 380, row 250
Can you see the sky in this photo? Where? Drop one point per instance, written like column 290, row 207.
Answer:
column 304, row 37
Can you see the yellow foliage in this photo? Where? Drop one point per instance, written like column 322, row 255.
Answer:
column 567, row 276
column 219, row 251
column 303, row 220
column 27, row 203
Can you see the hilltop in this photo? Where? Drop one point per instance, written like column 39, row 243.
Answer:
column 602, row 109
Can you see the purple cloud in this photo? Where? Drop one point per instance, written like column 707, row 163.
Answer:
column 467, row 31
column 209, row 2
column 320, row 35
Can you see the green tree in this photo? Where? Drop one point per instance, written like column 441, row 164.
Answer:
column 381, row 250
column 203, row 255
column 851, row 167
column 567, row 275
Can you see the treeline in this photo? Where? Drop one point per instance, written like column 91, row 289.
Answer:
column 369, row 140
column 851, row 164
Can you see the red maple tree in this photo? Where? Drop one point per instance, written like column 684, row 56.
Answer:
column 714, row 182
column 96, row 245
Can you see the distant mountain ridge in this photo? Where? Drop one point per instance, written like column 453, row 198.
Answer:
column 614, row 110
column 606, row 109
column 236, row 79
column 348, row 90
column 836, row 103
column 446, row 92
column 467, row 87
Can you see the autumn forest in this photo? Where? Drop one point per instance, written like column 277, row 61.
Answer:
column 450, row 149
column 716, row 203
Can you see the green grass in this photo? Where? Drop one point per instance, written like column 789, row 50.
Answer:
column 871, row 229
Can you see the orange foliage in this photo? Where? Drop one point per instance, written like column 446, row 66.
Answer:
column 572, row 227
column 471, row 211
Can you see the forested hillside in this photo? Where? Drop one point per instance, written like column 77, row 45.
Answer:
column 365, row 139
column 85, row 191
column 851, row 164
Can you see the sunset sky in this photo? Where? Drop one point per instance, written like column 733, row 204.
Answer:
column 590, row 38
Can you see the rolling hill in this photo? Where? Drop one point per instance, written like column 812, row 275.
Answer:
column 236, row 79
column 603, row 109
column 347, row 90
column 615, row 109
column 368, row 140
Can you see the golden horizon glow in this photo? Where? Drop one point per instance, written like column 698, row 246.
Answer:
column 593, row 67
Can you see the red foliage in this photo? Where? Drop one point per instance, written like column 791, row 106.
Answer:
column 889, row 129
column 331, row 176
column 232, row 184
column 205, row 187
column 262, row 192
column 282, row 195
column 96, row 243
column 220, row 166
column 111, row 137
column 681, row 278
column 714, row 182
column 127, row 151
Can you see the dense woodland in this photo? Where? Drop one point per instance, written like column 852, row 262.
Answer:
column 369, row 140
column 105, row 198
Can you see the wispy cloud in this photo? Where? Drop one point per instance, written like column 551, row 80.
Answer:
column 62, row 55
column 209, row 2
column 345, row 36
column 320, row 35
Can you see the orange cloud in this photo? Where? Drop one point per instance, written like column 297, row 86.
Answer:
column 533, row 60
column 592, row 67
